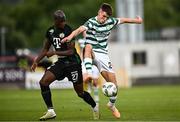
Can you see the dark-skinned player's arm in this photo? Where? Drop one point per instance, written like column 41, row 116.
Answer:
column 41, row 55
column 74, row 34
column 68, row 52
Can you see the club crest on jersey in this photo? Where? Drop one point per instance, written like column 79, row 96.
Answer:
column 61, row 35
column 108, row 27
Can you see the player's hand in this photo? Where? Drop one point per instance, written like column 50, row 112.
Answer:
column 33, row 67
column 50, row 53
column 66, row 39
column 139, row 19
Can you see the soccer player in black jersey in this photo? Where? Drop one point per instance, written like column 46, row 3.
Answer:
column 68, row 64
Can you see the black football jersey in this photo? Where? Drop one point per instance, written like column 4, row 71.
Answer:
column 55, row 35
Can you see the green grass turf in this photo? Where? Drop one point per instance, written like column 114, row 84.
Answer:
column 153, row 103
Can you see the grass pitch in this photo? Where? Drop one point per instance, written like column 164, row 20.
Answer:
column 153, row 103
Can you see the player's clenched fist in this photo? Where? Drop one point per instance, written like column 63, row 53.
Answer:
column 66, row 39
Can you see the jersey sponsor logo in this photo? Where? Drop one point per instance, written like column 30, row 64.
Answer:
column 74, row 75
column 57, row 42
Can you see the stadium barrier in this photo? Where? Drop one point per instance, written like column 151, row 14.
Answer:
column 33, row 78
column 12, row 77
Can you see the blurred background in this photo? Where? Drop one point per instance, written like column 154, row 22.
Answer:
column 147, row 54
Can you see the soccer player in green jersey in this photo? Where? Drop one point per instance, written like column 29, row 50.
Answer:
column 68, row 64
column 98, row 29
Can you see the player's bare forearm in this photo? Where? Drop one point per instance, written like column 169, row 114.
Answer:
column 137, row 20
column 65, row 53
column 45, row 49
column 60, row 53
column 68, row 52
column 79, row 30
column 36, row 61
column 73, row 34
column 41, row 55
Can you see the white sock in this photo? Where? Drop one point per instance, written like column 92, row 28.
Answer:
column 96, row 108
column 112, row 101
column 89, row 86
column 88, row 65
column 51, row 110
column 96, row 95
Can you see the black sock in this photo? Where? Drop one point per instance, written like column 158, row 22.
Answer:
column 46, row 94
column 87, row 98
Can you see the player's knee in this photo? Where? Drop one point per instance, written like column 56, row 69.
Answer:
column 43, row 82
column 88, row 48
column 44, row 87
column 80, row 95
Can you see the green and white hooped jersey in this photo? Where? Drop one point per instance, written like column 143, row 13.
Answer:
column 97, row 34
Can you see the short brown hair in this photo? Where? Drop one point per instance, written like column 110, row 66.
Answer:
column 107, row 8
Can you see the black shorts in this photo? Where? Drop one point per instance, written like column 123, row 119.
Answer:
column 72, row 71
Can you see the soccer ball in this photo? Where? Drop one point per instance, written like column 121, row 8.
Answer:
column 109, row 89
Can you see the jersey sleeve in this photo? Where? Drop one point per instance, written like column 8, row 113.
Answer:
column 116, row 21
column 119, row 20
column 49, row 33
column 87, row 25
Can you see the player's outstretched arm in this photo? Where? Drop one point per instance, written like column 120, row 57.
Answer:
column 74, row 34
column 137, row 20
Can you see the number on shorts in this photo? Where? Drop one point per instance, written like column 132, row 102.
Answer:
column 74, row 76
